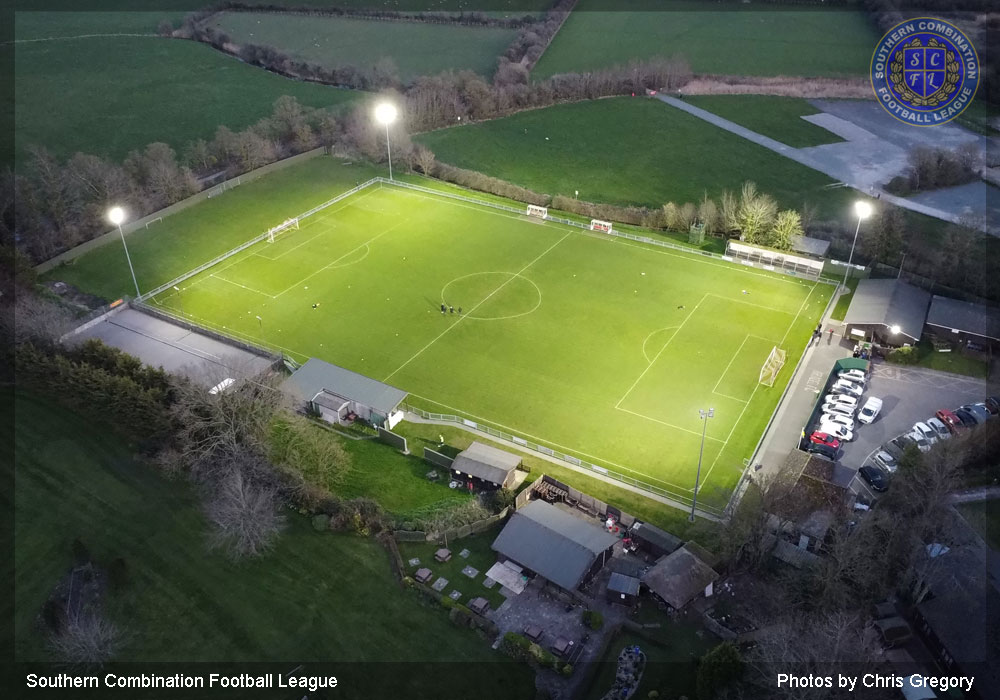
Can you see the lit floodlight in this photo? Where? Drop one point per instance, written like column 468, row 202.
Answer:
column 116, row 215
column 895, row 329
column 385, row 113
column 863, row 209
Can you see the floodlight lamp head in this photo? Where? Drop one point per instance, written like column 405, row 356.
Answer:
column 862, row 209
column 895, row 329
column 385, row 113
column 116, row 215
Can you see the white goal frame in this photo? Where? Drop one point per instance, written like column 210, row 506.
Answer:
column 535, row 210
column 772, row 366
column 285, row 225
column 598, row 225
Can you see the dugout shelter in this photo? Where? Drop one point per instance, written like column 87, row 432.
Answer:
column 336, row 394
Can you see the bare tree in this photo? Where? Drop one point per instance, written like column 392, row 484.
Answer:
column 37, row 320
column 244, row 514
column 86, row 638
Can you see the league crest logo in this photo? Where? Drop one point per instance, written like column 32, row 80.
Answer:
column 925, row 71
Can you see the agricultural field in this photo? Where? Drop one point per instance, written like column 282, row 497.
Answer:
column 415, row 48
column 629, row 151
column 605, row 349
column 76, row 479
column 168, row 90
column 777, row 117
column 727, row 39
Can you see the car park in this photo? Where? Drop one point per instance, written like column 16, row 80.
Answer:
column 925, row 431
column 968, row 420
column 919, row 440
column 885, row 461
column 840, row 432
column 845, row 421
column 842, row 399
column 939, row 428
column 875, row 477
column 825, row 439
column 843, row 386
column 978, row 411
column 950, row 420
column 853, row 375
column 870, row 410
column 838, row 409
column 823, row 450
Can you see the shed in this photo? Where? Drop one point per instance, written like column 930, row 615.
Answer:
column 480, row 606
column 486, row 466
column 336, row 393
column 622, row 589
column 964, row 322
column 679, row 578
column 652, row 539
column 879, row 306
column 556, row 545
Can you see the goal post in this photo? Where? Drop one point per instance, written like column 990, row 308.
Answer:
column 286, row 225
column 772, row 365
column 598, row 225
column 535, row 210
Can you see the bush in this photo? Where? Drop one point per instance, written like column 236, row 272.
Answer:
column 904, row 356
column 566, row 670
column 899, row 186
column 321, row 522
column 593, row 619
column 718, row 668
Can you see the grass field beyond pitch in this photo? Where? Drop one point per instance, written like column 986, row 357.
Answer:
column 596, row 346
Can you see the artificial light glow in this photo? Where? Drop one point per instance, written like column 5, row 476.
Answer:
column 116, row 215
column 385, row 113
column 895, row 329
column 863, row 209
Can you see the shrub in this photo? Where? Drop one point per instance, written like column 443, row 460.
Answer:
column 899, row 186
column 718, row 668
column 321, row 522
column 904, row 356
column 593, row 619
column 566, row 670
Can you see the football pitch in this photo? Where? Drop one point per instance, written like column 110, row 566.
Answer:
column 599, row 347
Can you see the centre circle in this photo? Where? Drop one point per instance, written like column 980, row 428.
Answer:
column 492, row 296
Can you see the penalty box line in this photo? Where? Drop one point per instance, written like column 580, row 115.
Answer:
column 715, row 389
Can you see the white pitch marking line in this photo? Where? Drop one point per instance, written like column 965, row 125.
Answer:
column 750, row 303
column 666, row 328
column 669, row 425
column 471, row 311
column 249, row 289
column 731, row 361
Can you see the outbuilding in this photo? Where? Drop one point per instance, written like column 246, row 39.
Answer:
column 972, row 325
column 485, row 467
column 339, row 395
column 888, row 311
column 622, row 589
column 679, row 578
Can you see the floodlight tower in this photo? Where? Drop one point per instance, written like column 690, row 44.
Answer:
column 385, row 113
column 863, row 210
column 705, row 415
column 116, row 215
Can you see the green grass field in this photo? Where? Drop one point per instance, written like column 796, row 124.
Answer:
column 777, row 117
column 415, row 48
column 595, row 346
column 730, row 38
column 308, row 600
column 109, row 94
column 984, row 517
column 629, row 151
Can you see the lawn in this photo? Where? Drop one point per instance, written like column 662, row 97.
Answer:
column 185, row 240
column 954, row 361
column 315, row 597
column 629, row 151
column 984, row 517
column 416, row 48
column 608, row 374
column 729, row 39
column 109, row 94
column 777, row 117
column 844, row 300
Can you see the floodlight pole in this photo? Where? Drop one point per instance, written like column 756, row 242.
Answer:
column 705, row 415
column 388, row 148
column 129, row 258
column 847, row 270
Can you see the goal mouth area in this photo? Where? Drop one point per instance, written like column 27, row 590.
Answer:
column 772, row 366
column 286, row 225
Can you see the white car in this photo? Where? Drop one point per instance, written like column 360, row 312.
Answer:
column 926, row 431
column 845, row 421
column 844, row 386
column 837, row 430
column 886, row 461
column 838, row 409
column 940, row 428
column 842, row 399
column 870, row 410
column 854, row 375
column 922, row 444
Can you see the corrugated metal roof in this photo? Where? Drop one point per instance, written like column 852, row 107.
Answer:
column 486, row 462
column 889, row 303
column 810, row 246
column 554, row 544
column 620, row 583
column 952, row 314
column 316, row 376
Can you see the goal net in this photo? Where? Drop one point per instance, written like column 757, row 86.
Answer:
column 598, row 225
column 772, row 365
column 535, row 210
column 286, row 225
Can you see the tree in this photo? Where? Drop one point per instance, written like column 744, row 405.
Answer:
column 720, row 667
column 244, row 514
column 729, row 212
column 254, row 150
column 199, row 156
column 787, row 225
column 688, row 216
column 756, row 214
column 708, row 214
column 672, row 217
column 885, row 239
column 423, row 158
column 86, row 638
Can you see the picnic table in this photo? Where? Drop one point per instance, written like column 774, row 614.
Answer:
column 533, row 632
column 442, row 554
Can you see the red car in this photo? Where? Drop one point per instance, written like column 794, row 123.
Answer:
column 825, row 439
column 950, row 420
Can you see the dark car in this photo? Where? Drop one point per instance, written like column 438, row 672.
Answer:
column 993, row 404
column 822, row 450
column 901, row 443
column 978, row 411
column 875, row 477
column 968, row 420
column 951, row 420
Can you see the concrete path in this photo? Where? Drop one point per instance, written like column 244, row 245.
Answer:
column 984, row 493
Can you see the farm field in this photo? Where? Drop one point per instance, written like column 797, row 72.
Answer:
column 183, row 602
column 415, row 48
column 629, row 151
column 727, row 39
column 777, row 117
column 599, row 344
column 167, row 90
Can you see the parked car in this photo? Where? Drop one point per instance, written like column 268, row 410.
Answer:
column 978, row 411
column 841, row 432
column 838, row 409
column 894, row 449
column 922, row 443
column 825, row 439
column 950, row 420
column 844, row 386
column 845, row 421
column 875, row 477
column 926, row 431
column 870, row 410
column 885, row 461
column 854, row 375
column 993, row 404
column 822, row 450
column 843, row 399
column 968, row 420
column 939, row 428
column 901, row 443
